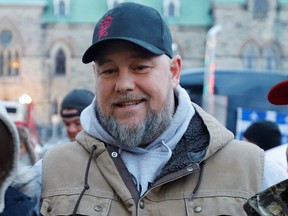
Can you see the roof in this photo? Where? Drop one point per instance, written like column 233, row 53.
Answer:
column 193, row 12
column 23, row 2
column 230, row 1
column 88, row 11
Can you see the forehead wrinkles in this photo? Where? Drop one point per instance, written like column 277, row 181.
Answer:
column 114, row 47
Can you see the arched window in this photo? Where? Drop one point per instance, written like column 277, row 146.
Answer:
column 271, row 57
column 60, row 63
column 9, row 64
column 1, row 64
column 9, row 54
column 250, row 56
column 62, row 8
column 16, row 64
column 171, row 8
column 260, row 8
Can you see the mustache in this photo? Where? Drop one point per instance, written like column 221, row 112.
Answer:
column 128, row 97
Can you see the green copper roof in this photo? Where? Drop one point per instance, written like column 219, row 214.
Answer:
column 283, row 2
column 192, row 12
column 81, row 11
column 23, row 2
column 230, row 1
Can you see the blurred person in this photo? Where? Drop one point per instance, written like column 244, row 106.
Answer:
column 273, row 200
column 265, row 134
column 145, row 148
column 28, row 154
column 17, row 182
column 73, row 103
column 71, row 107
column 278, row 96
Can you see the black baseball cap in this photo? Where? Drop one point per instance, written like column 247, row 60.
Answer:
column 136, row 23
column 77, row 99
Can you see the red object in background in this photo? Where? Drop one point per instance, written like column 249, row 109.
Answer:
column 31, row 123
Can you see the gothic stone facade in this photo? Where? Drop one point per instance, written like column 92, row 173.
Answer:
column 34, row 45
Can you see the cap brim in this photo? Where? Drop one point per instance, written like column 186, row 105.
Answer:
column 91, row 53
column 278, row 94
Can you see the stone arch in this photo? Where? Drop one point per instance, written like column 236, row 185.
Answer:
column 60, row 46
column 11, row 48
column 250, row 53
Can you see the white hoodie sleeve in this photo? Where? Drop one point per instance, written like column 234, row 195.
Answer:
column 273, row 173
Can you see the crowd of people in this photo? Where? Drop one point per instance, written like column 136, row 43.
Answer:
column 139, row 146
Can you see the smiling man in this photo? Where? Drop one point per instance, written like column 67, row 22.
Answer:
column 131, row 100
column 145, row 148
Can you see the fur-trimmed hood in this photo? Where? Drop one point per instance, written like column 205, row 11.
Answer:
column 12, row 172
column 9, row 153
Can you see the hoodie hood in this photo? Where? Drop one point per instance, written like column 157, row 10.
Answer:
column 9, row 153
column 219, row 134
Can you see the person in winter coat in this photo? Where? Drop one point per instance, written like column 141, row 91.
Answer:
column 145, row 148
column 17, row 185
column 28, row 154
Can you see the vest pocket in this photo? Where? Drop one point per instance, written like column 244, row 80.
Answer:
column 65, row 204
column 215, row 206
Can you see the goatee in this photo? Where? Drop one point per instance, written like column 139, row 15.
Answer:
column 139, row 134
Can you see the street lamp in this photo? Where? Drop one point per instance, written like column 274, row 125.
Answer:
column 25, row 99
column 210, row 66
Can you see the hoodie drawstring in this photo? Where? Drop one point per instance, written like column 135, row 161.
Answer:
column 86, row 185
column 198, row 181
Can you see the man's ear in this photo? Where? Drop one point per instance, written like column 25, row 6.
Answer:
column 175, row 69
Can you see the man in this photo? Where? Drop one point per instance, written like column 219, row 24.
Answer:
column 273, row 200
column 278, row 96
column 263, row 133
column 146, row 149
column 71, row 107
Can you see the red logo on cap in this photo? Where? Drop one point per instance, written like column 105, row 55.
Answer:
column 103, row 27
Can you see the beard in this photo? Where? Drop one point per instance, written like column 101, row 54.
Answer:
column 139, row 134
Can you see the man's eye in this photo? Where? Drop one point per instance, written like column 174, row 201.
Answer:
column 108, row 71
column 142, row 67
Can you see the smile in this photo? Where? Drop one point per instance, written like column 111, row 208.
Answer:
column 128, row 103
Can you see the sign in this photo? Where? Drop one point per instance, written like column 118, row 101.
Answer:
column 245, row 117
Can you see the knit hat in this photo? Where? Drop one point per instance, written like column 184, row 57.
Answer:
column 265, row 134
column 136, row 23
column 77, row 99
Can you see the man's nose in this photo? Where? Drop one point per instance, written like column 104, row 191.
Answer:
column 125, row 82
column 72, row 128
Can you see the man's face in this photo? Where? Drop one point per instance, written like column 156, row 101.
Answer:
column 72, row 124
column 133, row 86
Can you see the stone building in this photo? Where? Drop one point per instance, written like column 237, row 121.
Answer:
column 42, row 42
